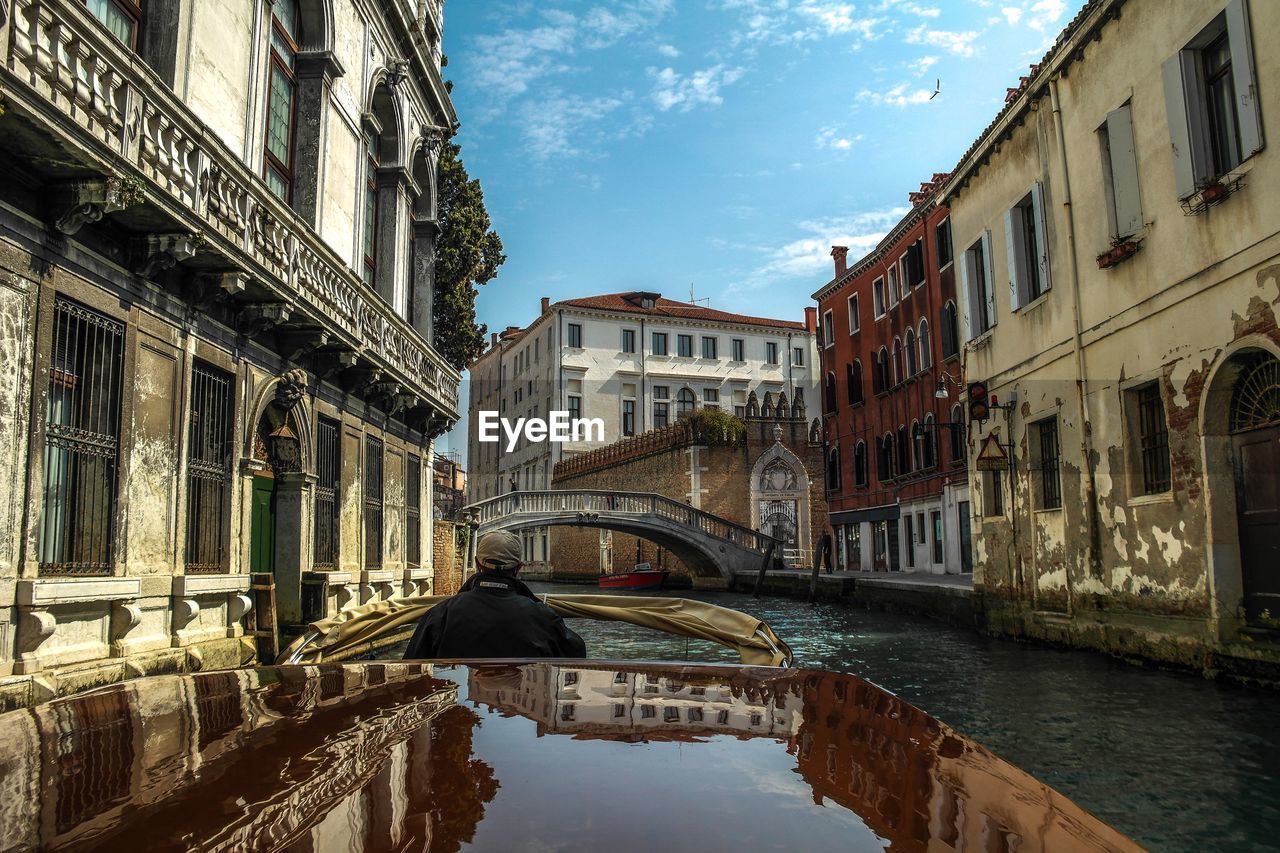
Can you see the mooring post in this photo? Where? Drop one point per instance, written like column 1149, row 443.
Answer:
column 764, row 565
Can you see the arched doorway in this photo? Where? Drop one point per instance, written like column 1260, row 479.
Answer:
column 780, row 501
column 1255, row 442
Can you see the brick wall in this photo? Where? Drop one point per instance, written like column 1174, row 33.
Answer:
column 448, row 558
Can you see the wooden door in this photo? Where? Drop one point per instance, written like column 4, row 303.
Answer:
column 1257, row 463
column 262, row 531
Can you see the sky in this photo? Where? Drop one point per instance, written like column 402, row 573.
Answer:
column 718, row 145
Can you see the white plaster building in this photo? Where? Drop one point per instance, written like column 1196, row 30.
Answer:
column 635, row 360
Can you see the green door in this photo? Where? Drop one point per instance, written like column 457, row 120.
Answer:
column 262, row 534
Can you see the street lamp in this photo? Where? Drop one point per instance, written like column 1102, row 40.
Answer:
column 943, row 378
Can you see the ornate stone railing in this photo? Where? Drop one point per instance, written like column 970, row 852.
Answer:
column 79, row 77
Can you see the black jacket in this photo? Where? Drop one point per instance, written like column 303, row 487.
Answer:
column 493, row 616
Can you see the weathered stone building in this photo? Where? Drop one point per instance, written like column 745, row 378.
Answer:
column 1116, row 235
column 216, row 237
column 769, row 479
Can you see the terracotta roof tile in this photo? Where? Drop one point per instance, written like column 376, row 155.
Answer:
column 623, row 302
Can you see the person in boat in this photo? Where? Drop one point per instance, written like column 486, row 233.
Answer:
column 494, row 615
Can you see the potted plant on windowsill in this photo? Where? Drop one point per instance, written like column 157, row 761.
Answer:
column 1214, row 192
column 1121, row 250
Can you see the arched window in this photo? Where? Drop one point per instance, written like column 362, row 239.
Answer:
column 904, row 451
column 958, row 434
column 929, row 443
column 882, row 371
column 684, row 402
column 911, row 353
column 890, row 458
column 831, row 392
column 385, row 213
column 860, row 464
column 854, row 382
column 282, row 98
column 370, row 268
column 833, row 469
column 917, row 446
column 950, row 331
column 897, row 361
column 926, row 348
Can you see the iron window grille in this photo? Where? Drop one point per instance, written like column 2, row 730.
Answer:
column 82, row 443
column 413, row 511
column 1153, row 439
column 373, row 502
column 1050, row 484
column 208, row 469
column 328, row 471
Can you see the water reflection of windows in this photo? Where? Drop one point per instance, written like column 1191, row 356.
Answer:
column 566, row 713
column 648, row 712
column 619, row 678
column 671, row 715
column 756, row 719
column 722, row 717
column 570, row 678
column 697, row 691
column 619, row 710
column 694, row 715
column 651, row 688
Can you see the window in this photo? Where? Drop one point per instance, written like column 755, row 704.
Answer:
column 372, row 503
column 855, row 319
column 328, row 484
column 711, row 397
column 860, row 464
column 893, row 285
column 709, row 346
column 738, row 349
column 886, row 458
column 659, row 346
column 661, row 415
column 1120, row 173
column 670, row 715
column 877, row 297
column 853, row 380
column 694, row 715
column 208, row 468
column 926, row 349
column 897, row 361
column 619, row 678
column 282, row 99
column 911, row 540
column 648, row 712
column 684, row 402
column 82, row 443
column 575, row 406
column 1046, row 434
column 914, row 267
column 936, row 517
column 881, row 373
column 566, row 713
column 950, row 331
column 993, row 493
column 121, row 18
column 570, row 679
column 684, row 346
column 830, row 397
column 661, row 392
column 797, row 356
column 942, row 235
column 1026, row 240
column 619, row 710
column 771, row 352
column 575, row 336
column 833, row 469
column 628, row 340
column 413, row 511
column 975, row 266
column 722, row 717
column 911, row 353
column 1153, row 438
column 740, row 402
column 904, row 451
column 828, row 329
column 1212, row 101
column 959, row 436
column 628, row 417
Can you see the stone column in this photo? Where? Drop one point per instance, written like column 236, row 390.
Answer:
column 423, row 295
column 316, row 72
column 293, row 543
column 392, row 279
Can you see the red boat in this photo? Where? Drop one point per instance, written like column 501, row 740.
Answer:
column 643, row 576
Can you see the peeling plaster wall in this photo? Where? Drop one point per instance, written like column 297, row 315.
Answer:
column 1200, row 287
column 16, row 354
column 151, row 492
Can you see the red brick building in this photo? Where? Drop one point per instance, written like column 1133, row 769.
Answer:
column 897, row 484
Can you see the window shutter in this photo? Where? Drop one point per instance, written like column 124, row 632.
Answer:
column 1042, row 235
column 1242, row 73
column 1179, row 127
column 962, row 262
column 989, row 290
column 1123, row 156
column 1012, row 237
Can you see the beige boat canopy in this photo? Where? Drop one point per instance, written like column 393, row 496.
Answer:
column 354, row 630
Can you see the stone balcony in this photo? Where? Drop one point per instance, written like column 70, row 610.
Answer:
column 105, row 138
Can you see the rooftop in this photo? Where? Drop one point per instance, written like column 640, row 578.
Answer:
column 655, row 305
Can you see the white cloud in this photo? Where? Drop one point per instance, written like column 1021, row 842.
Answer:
column 555, row 126
column 961, row 44
column 898, row 96
column 672, row 90
column 1045, row 14
column 837, row 18
column 830, row 137
column 668, row 51
column 1012, row 14
column 923, row 65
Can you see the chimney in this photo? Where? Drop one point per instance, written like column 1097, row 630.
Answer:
column 811, row 318
column 546, row 304
column 841, row 254
column 493, row 339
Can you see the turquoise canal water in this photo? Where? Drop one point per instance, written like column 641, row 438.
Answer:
column 1173, row 760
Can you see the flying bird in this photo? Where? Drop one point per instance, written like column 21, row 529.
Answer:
column 937, row 89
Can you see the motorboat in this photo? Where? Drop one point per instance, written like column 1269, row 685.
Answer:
column 642, row 577
column 319, row 753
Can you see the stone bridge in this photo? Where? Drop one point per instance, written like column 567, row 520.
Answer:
column 711, row 546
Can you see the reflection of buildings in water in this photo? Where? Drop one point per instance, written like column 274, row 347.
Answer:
column 639, row 703
column 313, row 757
column 923, row 787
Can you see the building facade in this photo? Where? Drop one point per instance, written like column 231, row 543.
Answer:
column 893, row 423
column 634, row 360
column 216, row 238
column 1116, row 234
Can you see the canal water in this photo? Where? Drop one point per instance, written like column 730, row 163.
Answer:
column 1175, row 761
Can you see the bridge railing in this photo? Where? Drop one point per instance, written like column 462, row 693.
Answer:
column 597, row 502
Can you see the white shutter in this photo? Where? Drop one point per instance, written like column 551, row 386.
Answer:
column 1012, row 238
column 966, row 286
column 989, row 289
column 1242, row 73
column 1179, row 127
column 1042, row 235
column 1123, row 157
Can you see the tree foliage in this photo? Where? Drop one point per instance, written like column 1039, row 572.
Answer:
column 715, row 427
column 468, row 254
